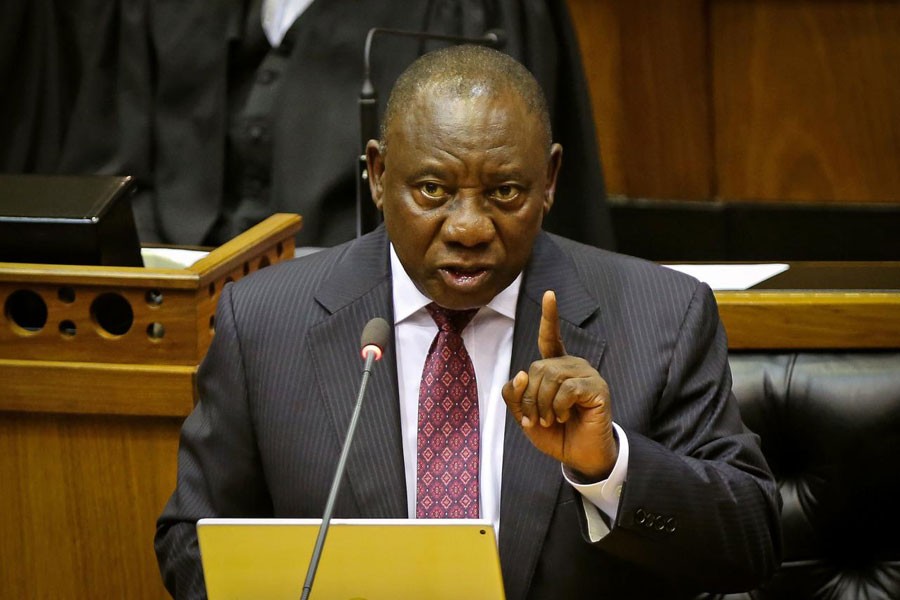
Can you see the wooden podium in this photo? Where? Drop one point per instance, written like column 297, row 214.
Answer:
column 97, row 370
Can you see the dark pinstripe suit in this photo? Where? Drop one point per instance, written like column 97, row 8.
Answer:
column 278, row 386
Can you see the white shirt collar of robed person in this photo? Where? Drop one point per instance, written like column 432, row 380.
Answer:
column 278, row 16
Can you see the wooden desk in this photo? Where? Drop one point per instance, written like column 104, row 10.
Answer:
column 817, row 305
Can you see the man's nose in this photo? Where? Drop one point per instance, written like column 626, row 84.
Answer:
column 468, row 221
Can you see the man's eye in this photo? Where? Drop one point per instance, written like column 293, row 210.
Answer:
column 433, row 190
column 505, row 193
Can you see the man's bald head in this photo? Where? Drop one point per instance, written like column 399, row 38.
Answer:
column 465, row 72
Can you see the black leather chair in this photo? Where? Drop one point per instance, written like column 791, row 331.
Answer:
column 830, row 428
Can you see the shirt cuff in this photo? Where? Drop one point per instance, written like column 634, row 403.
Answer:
column 603, row 495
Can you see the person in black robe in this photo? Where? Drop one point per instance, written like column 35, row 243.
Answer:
column 220, row 129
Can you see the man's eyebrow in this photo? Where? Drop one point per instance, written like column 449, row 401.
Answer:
column 429, row 170
column 510, row 174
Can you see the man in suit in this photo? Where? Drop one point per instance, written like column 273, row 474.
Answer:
column 612, row 456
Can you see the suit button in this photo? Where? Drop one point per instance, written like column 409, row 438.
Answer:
column 641, row 516
column 671, row 524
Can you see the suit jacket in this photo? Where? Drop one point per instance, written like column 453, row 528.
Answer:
column 698, row 511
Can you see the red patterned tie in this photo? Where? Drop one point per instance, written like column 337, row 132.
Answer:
column 447, row 466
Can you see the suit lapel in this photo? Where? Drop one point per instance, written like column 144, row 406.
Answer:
column 532, row 480
column 359, row 290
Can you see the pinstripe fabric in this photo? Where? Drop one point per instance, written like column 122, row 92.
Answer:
column 280, row 379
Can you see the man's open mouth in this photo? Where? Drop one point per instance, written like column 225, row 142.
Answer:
column 464, row 277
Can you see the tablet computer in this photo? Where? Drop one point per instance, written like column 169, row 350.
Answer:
column 371, row 559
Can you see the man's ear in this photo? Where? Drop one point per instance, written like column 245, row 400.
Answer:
column 375, row 169
column 553, row 165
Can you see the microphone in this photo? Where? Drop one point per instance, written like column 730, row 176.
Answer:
column 367, row 217
column 373, row 341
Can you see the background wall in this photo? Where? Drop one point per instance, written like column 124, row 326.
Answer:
column 746, row 100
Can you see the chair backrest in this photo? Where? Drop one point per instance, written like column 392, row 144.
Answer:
column 829, row 425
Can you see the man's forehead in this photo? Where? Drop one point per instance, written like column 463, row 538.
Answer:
column 433, row 108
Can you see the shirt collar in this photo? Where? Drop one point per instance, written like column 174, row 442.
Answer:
column 408, row 300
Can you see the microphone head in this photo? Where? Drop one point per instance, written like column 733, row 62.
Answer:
column 375, row 337
column 495, row 38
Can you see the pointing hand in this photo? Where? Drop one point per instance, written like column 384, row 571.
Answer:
column 562, row 403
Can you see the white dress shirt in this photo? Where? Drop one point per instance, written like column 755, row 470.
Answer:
column 488, row 339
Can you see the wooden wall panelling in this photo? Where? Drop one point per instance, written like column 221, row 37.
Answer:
column 647, row 67
column 806, row 97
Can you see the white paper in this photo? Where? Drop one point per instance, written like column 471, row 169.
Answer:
column 170, row 258
column 732, row 277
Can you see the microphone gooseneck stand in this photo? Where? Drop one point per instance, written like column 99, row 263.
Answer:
column 374, row 338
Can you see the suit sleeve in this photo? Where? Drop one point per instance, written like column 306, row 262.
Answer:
column 700, row 504
column 219, row 469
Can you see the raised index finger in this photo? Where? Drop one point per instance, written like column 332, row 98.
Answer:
column 549, row 338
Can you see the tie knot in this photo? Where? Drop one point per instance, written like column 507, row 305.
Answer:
column 451, row 321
